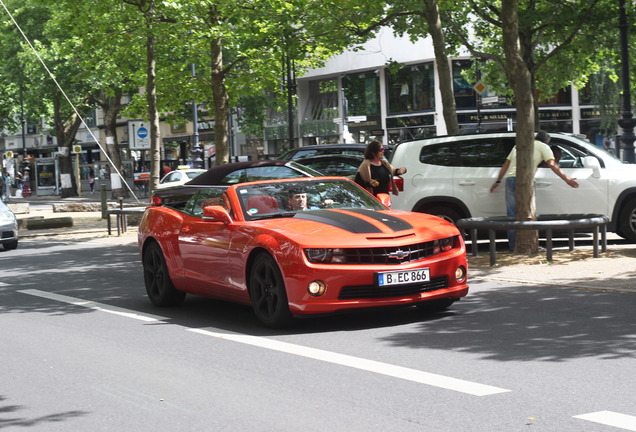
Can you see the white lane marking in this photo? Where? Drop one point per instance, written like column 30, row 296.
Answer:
column 92, row 305
column 404, row 373
column 610, row 418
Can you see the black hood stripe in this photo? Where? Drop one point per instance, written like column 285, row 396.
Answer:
column 394, row 223
column 339, row 220
column 351, row 223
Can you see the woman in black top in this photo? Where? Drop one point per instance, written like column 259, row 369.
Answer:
column 376, row 173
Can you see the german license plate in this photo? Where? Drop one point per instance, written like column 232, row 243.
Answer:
column 402, row 277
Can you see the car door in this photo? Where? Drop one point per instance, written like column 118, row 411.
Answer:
column 205, row 245
column 554, row 196
column 481, row 159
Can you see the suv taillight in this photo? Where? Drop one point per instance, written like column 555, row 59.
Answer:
column 399, row 182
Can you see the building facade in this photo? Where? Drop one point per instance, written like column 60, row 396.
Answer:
column 389, row 91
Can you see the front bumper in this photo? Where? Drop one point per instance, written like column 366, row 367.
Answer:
column 355, row 287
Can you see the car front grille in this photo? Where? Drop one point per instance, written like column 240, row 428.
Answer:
column 373, row 291
column 390, row 255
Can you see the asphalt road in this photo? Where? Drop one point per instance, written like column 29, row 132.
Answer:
column 83, row 349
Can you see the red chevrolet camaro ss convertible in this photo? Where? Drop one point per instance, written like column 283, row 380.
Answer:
column 297, row 246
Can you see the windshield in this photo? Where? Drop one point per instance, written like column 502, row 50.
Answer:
column 312, row 172
column 193, row 174
column 279, row 199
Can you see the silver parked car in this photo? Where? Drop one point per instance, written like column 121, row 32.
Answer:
column 8, row 228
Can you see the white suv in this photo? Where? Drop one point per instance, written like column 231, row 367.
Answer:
column 451, row 176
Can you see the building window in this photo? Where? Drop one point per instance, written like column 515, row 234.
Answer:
column 563, row 97
column 91, row 118
column 323, row 104
column 411, row 89
column 363, row 93
column 465, row 96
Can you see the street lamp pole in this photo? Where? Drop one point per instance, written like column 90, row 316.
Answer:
column 291, row 88
column 24, row 149
column 626, row 123
column 197, row 161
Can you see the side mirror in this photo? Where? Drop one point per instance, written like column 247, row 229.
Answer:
column 592, row 163
column 216, row 213
column 384, row 199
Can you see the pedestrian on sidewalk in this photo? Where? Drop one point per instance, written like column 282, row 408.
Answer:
column 18, row 181
column 26, row 183
column 2, row 189
column 542, row 152
column 91, row 180
column 7, row 183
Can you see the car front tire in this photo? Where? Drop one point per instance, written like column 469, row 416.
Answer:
column 159, row 287
column 10, row 245
column 627, row 221
column 267, row 292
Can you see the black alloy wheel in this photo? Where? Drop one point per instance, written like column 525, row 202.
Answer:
column 267, row 292
column 159, row 287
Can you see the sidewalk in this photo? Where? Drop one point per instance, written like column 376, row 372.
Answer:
column 614, row 270
column 42, row 216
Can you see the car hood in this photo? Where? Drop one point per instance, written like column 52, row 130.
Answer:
column 359, row 227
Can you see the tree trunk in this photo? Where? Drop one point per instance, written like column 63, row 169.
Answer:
column 520, row 80
column 111, row 106
column 526, row 42
column 65, row 131
column 151, row 96
column 443, row 67
column 221, row 102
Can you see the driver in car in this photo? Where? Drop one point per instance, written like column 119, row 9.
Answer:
column 298, row 201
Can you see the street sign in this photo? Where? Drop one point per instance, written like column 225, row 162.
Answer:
column 9, row 154
column 76, row 149
column 357, row 119
column 138, row 135
column 480, row 87
column 490, row 100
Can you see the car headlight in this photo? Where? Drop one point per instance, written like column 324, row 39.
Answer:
column 7, row 216
column 325, row 256
column 443, row 245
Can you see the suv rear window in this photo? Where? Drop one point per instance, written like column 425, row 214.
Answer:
column 444, row 154
column 468, row 153
column 485, row 153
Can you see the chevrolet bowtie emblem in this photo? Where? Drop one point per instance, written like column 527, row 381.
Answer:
column 398, row 254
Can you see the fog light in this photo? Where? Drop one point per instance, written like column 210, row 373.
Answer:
column 460, row 274
column 316, row 288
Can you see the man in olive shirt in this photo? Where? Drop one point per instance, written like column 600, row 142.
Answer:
column 542, row 152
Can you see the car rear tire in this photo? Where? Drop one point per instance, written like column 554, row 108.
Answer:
column 267, row 292
column 627, row 221
column 433, row 306
column 159, row 287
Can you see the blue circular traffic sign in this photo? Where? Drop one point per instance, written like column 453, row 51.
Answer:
column 142, row 132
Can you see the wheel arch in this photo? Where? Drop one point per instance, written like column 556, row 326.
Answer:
column 432, row 201
column 622, row 199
